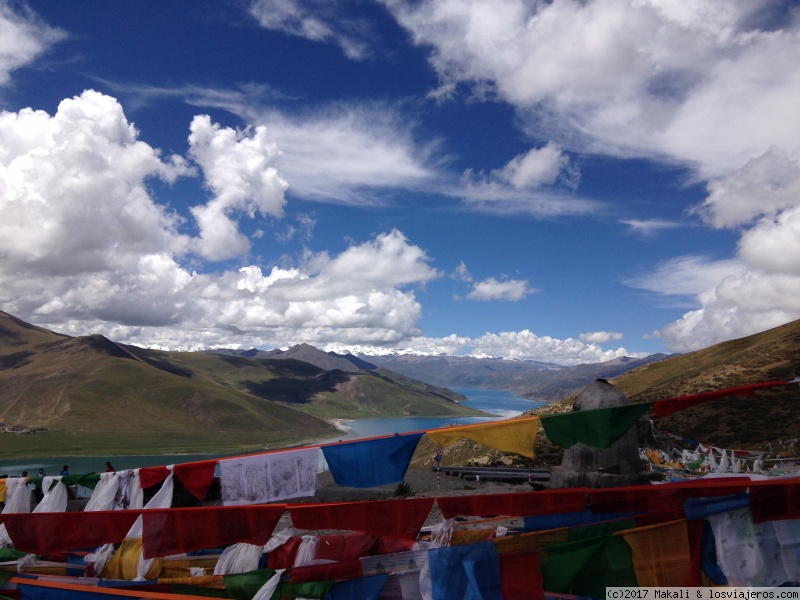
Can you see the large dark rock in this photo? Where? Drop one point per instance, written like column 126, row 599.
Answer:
column 586, row 466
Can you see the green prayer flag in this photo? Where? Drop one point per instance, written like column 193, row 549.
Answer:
column 587, row 566
column 610, row 566
column 561, row 563
column 311, row 589
column 243, row 586
column 598, row 427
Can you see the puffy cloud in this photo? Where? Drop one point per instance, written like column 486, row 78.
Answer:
column 510, row 290
column 760, row 290
column 599, row 337
column 624, row 77
column 314, row 20
column 238, row 168
column 535, row 168
column 22, row 39
column 516, row 345
column 87, row 250
column 529, row 183
column 763, row 186
column 526, row 345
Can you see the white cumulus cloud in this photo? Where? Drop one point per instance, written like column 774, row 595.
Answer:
column 239, row 170
column 510, row 290
column 87, row 249
column 600, row 337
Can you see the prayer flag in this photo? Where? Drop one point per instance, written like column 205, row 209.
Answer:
column 178, row 530
column 45, row 533
column 471, row 572
column 401, row 518
column 373, row 462
column 597, row 427
column 520, row 504
column 270, row 477
column 513, row 435
column 670, row 405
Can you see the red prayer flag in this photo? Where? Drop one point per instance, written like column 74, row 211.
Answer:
column 175, row 530
column 344, row 547
column 670, row 405
column 197, row 477
column 150, row 476
column 46, row 533
column 521, row 577
column 775, row 501
column 661, row 498
column 521, row 504
column 328, row 572
column 401, row 518
column 283, row 556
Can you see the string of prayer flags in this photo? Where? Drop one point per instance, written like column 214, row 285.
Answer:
column 521, row 504
column 513, row 435
column 372, row 462
column 668, row 406
column 401, row 518
column 46, row 533
column 178, row 530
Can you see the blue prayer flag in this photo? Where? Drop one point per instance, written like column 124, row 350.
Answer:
column 371, row 463
column 471, row 572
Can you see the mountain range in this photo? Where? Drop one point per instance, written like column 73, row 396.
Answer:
column 89, row 395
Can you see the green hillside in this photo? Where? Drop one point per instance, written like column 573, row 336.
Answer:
column 87, row 395
column 766, row 419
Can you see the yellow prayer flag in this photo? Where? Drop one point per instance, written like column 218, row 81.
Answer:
column 514, row 435
column 661, row 556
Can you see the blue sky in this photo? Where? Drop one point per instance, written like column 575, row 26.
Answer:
column 559, row 181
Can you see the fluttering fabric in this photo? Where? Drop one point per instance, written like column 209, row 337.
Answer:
column 788, row 534
column 238, row 558
column 373, row 462
column 514, row 435
column 586, row 567
column 364, row 588
column 668, row 406
column 105, row 493
column 660, row 498
column 178, row 530
column 269, row 477
column 55, row 495
column 746, row 550
column 471, row 572
column 327, row 572
column 775, row 502
column 660, row 554
column 400, row 518
column 521, row 504
column 597, row 427
column 521, row 577
column 702, row 508
column 18, row 496
column 197, row 476
column 46, row 533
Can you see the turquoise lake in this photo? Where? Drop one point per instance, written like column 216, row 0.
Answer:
column 497, row 404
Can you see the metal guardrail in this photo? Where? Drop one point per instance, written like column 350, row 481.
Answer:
column 496, row 473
